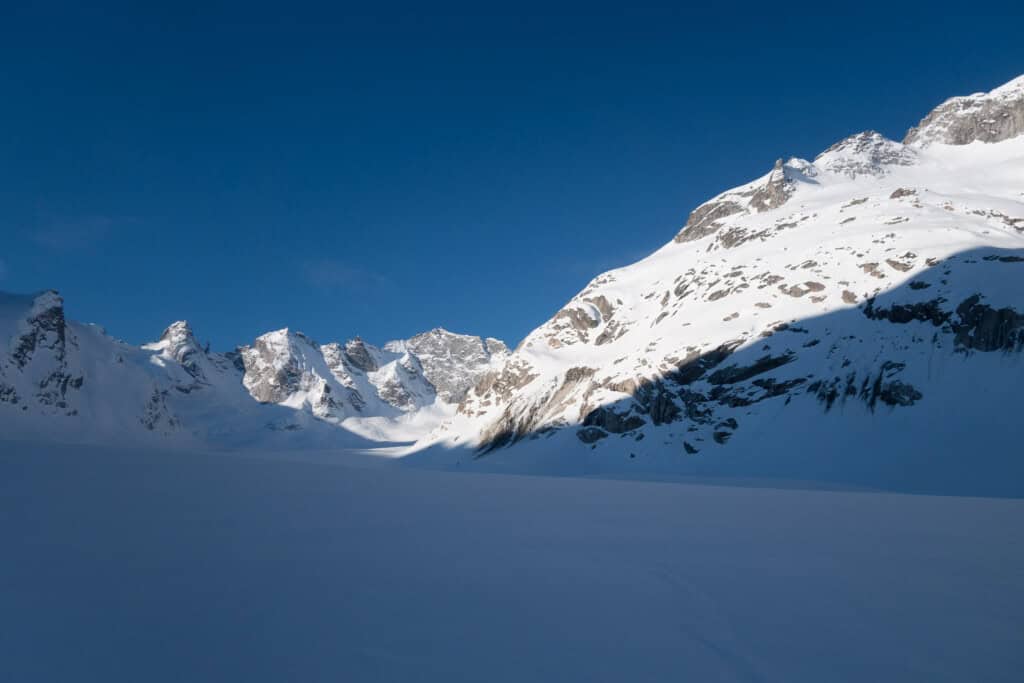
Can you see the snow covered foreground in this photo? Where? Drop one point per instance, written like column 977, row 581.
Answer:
column 138, row 565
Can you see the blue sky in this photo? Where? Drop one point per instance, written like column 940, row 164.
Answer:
column 345, row 170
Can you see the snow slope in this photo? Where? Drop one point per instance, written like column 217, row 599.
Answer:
column 140, row 565
column 866, row 305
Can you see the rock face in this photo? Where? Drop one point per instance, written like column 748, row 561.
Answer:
column 982, row 117
column 768, row 192
column 865, row 154
column 38, row 371
column 178, row 344
column 879, row 279
column 336, row 382
column 360, row 380
column 286, row 367
column 453, row 363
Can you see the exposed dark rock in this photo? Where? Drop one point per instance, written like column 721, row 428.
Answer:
column 773, row 193
column 658, row 403
column 898, row 393
column 692, row 370
column 156, row 415
column 724, row 429
column 1004, row 259
column 610, row 421
column 738, row 373
column 8, row 394
column 359, row 356
column 984, row 328
column 926, row 311
column 773, row 387
column 704, row 220
column 578, row 374
column 47, row 330
column 980, row 327
column 578, row 319
column 591, row 434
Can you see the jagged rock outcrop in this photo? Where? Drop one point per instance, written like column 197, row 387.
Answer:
column 38, row 370
column 179, row 345
column 357, row 379
column 357, row 353
column 765, row 193
column 451, row 362
column 41, row 330
column 868, row 153
column 983, row 117
column 286, row 367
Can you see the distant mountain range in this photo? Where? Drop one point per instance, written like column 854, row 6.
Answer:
column 71, row 382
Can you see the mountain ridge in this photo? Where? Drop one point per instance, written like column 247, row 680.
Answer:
column 50, row 360
column 872, row 282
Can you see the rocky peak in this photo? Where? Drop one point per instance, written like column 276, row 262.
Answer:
column 764, row 194
column 43, row 327
column 867, row 153
column 454, row 362
column 39, row 368
column 276, row 365
column 179, row 344
column 178, row 333
column 359, row 356
column 982, row 117
column 773, row 193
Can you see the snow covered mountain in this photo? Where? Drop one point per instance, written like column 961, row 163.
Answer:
column 868, row 305
column 856, row 317
column 68, row 381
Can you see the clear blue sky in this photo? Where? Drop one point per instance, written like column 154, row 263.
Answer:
column 384, row 171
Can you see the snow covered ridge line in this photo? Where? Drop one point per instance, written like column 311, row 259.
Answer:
column 61, row 379
column 982, row 117
column 872, row 289
column 856, row 318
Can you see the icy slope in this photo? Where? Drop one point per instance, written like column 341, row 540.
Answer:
column 877, row 282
